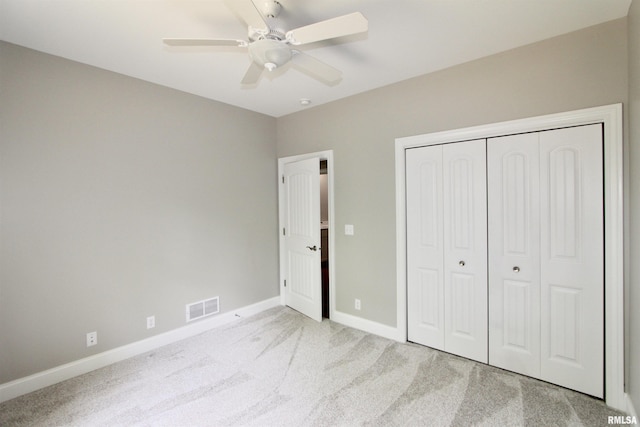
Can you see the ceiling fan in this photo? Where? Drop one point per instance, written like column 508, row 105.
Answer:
column 271, row 47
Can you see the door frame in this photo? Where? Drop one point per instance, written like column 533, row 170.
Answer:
column 611, row 117
column 282, row 161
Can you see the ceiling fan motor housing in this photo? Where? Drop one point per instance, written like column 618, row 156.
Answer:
column 271, row 8
column 270, row 54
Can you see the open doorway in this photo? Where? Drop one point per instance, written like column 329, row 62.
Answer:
column 324, row 236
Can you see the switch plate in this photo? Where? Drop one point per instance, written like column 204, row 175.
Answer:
column 92, row 339
column 358, row 305
column 348, row 229
column 151, row 322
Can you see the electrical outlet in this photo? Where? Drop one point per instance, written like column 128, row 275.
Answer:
column 358, row 305
column 151, row 322
column 92, row 339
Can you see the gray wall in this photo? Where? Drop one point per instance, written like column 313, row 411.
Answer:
column 119, row 200
column 578, row 70
column 633, row 284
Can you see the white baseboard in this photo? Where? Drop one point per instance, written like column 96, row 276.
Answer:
column 370, row 326
column 630, row 409
column 52, row 376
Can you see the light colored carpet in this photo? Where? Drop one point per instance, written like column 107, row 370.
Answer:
column 281, row 368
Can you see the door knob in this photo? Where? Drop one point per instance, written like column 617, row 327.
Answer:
column 461, row 263
column 314, row 248
column 516, row 269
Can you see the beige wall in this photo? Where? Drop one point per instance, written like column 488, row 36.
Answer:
column 578, row 70
column 633, row 284
column 121, row 199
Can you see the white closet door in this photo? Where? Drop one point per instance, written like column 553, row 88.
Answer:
column 546, row 256
column 465, row 249
column 425, row 249
column 446, row 248
column 572, row 261
column 514, row 253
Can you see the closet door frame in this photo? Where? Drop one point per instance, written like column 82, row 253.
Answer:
column 611, row 117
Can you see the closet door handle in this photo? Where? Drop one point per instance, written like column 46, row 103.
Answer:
column 516, row 269
column 461, row 263
column 314, row 248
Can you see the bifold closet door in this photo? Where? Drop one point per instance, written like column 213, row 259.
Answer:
column 546, row 256
column 572, row 258
column 425, row 246
column 513, row 165
column 447, row 248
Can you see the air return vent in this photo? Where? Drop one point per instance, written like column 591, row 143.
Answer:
column 204, row 308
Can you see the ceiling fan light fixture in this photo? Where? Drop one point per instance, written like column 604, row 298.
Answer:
column 269, row 54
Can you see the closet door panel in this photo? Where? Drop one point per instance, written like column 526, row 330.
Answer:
column 514, row 253
column 465, row 249
column 425, row 293
column 572, row 256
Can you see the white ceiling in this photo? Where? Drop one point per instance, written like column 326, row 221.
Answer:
column 406, row 38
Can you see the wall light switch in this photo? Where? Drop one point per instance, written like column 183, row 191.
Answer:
column 348, row 230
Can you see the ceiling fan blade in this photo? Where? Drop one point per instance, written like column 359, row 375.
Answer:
column 253, row 74
column 315, row 67
column 248, row 12
column 345, row 25
column 204, row 42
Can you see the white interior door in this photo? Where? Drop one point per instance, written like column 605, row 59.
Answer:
column 303, row 289
column 425, row 247
column 546, row 262
column 446, row 248
column 514, row 253
column 572, row 261
column 465, row 249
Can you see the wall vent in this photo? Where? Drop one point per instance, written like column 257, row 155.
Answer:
column 204, row 308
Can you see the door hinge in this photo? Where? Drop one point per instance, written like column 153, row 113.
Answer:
column 283, row 231
column 283, row 179
column 285, row 283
